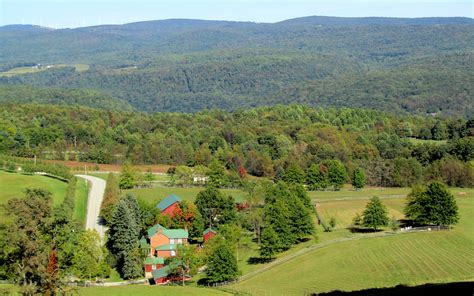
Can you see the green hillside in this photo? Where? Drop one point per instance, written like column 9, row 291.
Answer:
column 410, row 259
column 190, row 65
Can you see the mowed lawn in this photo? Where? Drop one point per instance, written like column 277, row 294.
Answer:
column 80, row 207
column 149, row 290
column 155, row 195
column 409, row 258
column 13, row 185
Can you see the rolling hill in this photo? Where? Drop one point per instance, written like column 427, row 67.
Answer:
column 190, row 65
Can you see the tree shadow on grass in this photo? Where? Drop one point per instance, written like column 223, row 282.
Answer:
column 258, row 260
column 458, row 288
column 363, row 230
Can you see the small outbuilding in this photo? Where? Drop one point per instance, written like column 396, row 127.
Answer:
column 208, row 234
column 169, row 204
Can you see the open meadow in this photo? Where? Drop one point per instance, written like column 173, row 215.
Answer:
column 13, row 185
column 373, row 262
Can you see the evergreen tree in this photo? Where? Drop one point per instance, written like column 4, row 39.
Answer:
column 123, row 237
column 375, row 214
column 221, row 264
column 358, row 178
column 270, row 243
column 300, row 217
column 432, row 205
column 135, row 211
column 294, row 175
column 132, row 266
column 279, row 217
column 300, row 192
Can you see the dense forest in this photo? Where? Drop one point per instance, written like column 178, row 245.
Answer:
column 264, row 141
column 396, row 65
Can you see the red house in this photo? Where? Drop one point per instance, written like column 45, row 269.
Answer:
column 208, row 234
column 168, row 205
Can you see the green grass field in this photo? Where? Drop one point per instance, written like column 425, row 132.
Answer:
column 28, row 70
column 148, row 290
column 410, row 258
column 13, row 185
column 349, row 193
column 80, row 209
column 154, row 195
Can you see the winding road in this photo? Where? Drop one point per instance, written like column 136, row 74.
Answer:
column 96, row 194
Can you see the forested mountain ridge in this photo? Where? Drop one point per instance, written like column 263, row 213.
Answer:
column 391, row 64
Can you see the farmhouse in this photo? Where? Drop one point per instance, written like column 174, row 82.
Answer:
column 161, row 243
column 169, row 204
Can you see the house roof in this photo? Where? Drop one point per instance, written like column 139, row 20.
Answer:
column 152, row 230
column 209, row 230
column 168, row 201
column 170, row 247
column 175, row 233
column 154, row 260
column 160, row 272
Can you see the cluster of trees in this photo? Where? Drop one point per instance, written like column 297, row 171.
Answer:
column 433, row 204
column 287, row 218
column 264, row 141
column 41, row 245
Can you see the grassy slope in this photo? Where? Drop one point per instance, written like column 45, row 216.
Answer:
column 80, row 209
column 154, row 195
column 412, row 259
column 28, row 70
column 148, row 290
column 13, row 185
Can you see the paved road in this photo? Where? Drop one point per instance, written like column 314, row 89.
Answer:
column 96, row 194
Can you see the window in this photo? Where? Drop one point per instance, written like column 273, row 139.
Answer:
column 180, row 241
column 153, row 267
column 173, row 253
column 172, row 241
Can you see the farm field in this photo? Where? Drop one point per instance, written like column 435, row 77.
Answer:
column 148, row 290
column 154, row 195
column 409, row 259
column 13, row 185
column 28, row 70
column 93, row 167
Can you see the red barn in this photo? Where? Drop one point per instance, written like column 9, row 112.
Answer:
column 208, row 234
column 168, row 205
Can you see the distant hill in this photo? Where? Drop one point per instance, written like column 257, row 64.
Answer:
column 381, row 21
column 394, row 64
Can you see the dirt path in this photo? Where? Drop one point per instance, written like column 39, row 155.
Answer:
column 96, row 194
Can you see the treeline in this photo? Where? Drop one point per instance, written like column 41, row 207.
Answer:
column 23, row 94
column 28, row 166
column 262, row 142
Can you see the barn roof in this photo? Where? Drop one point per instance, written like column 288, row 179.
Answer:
column 209, row 230
column 160, row 272
column 168, row 201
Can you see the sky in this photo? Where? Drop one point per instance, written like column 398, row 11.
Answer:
column 79, row 13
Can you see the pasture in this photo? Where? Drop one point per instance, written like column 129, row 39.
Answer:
column 29, row 70
column 148, row 290
column 374, row 262
column 155, row 195
column 13, row 185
